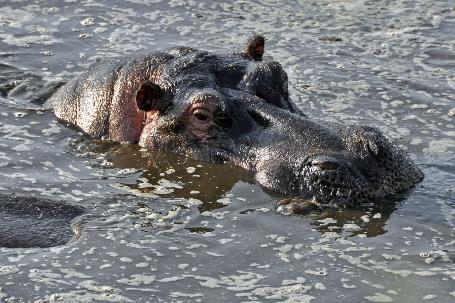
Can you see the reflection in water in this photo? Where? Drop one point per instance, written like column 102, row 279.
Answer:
column 367, row 219
column 164, row 174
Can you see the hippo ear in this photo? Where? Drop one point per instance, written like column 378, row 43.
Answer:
column 149, row 97
column 254, row 48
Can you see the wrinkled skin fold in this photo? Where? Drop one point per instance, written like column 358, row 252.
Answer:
column 234, row 107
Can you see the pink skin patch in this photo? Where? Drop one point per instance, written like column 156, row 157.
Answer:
column 198, row 119
column 148, row 130
column 126, row 119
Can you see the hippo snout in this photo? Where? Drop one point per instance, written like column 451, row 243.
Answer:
column 329, row 177
column 332, row 172
column 359, row 164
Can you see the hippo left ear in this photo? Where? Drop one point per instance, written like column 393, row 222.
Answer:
column 254, row 48
column 149, row 97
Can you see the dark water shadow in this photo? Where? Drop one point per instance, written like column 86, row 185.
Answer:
column 193, row 179
column 35, row 222
column 187, row 178
column 368, row 219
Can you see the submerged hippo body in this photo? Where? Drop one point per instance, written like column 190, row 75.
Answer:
column 234, row 107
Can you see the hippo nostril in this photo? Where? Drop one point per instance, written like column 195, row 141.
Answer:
column 325, row 164
column 373, row 149
column 260, row 119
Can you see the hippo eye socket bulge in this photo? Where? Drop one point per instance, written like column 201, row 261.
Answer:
column 211, row 108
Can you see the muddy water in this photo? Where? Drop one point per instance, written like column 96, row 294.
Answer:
column 160, row 227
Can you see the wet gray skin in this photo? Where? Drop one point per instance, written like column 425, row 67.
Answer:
column 236, row 108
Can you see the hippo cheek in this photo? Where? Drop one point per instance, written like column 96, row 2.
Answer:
column 279, row 176
column 156, row 133
column 166, row 135
column 149, row 130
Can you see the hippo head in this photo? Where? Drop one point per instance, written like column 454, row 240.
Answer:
column 236, row 108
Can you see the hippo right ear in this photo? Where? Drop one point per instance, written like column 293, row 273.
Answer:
column 254, row 48
column 150, row 97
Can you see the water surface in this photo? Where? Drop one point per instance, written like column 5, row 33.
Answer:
column 159, row 227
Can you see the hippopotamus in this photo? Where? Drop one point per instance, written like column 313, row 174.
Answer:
column 234, row 107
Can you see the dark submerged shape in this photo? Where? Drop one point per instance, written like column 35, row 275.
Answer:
column 36, row 222
column 234, row 107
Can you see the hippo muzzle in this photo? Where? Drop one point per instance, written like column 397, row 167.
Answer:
column 234, row 107
column 333, row 163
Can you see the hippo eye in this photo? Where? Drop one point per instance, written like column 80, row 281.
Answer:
column 201, row 121
column 201, row 115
